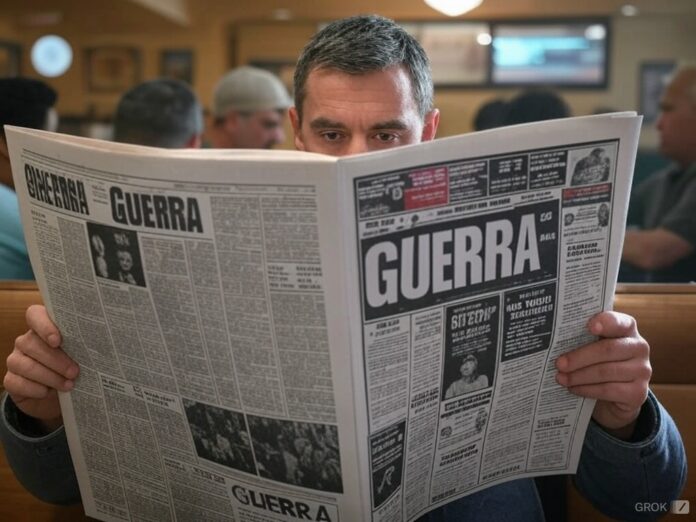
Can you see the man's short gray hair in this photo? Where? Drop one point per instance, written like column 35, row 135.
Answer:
column 158, row 113
column 363, row 44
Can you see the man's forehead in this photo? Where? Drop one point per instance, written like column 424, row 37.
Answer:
column 393, row 80
column 375, row 97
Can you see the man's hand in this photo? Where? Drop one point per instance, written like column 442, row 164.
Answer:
column 38, row 368
column 615, row 370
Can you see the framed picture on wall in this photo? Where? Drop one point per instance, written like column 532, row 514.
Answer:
column 457, row 59
column 652, row 82
column 177, row 64
column 112, row 69
column 10, row 54
column 283, row 69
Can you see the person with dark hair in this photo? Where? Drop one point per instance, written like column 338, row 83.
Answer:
column 363, row 84
column 535, row 105
column 159, row 113
column 26, row 103
column 249, row 106
column 491, row 115
column 663, row 246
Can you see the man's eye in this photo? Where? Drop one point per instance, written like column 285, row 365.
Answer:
column 386, row 137
column 331, row 136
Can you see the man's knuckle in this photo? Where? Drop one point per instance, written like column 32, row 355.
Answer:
column 645, row 371
column 630, row 322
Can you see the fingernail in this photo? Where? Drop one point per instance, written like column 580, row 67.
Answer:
column 71, row 372
column 596, row 328
column 562, row 379
column 54, row 340
column 68, row 385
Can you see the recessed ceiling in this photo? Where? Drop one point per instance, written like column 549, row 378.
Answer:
column 120, row 16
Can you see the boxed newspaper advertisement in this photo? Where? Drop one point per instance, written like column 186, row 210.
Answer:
column 278, row 335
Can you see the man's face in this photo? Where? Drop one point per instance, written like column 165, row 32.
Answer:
column 677, row 122
column 348, row 114
column 468, row 367
column 260, row 129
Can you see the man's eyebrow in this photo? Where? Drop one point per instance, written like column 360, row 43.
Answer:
column 322, row 123
column 390, row 124
column 325, row 123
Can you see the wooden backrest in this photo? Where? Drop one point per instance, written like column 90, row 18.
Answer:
column 666, row 316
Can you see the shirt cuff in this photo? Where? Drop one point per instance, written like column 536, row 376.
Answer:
column 644, row 442
column 22, row 426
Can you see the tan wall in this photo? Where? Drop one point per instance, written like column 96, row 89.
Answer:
column 75, row 98
column 217, row 44
column 634, row 41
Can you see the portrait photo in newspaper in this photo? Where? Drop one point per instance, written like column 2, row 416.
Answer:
column 220, row 435
column 470, row 347
column 592, row 165
column 299, row 453
column 115, row 254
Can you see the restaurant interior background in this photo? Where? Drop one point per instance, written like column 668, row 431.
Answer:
column 116, row 43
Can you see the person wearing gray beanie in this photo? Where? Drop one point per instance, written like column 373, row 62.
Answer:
column 249, row 106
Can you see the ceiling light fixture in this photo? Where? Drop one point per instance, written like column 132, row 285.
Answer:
column 484, row 39
column 629, row 10
column 454, row 7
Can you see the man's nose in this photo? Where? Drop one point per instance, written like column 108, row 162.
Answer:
column 357, row 145
column 659, row 122
column 279, row 135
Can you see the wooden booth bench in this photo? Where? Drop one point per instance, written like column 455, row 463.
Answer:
column 666, row 316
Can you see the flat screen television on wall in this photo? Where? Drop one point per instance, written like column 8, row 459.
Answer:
column 550, row 53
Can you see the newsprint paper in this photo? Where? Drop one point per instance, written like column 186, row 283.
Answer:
column 278, row 335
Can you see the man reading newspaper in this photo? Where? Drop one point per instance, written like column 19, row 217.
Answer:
column 363, row 84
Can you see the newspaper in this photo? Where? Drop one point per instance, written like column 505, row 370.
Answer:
column 276, row 335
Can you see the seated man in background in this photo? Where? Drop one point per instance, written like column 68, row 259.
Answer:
column 665, row 204
column 364, row 84
column 159, row 113
column 535, row 105
column 26, row 103
column 249, row 106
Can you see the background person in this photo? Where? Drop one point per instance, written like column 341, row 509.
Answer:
column 159, row 113
column 535, row 105
column 26, row 103
column 664, row 205
column 490, row 115
column 249, row 107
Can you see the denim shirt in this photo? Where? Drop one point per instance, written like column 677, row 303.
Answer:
column 612, row 474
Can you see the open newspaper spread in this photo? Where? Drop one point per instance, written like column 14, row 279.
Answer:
column 275, row 335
